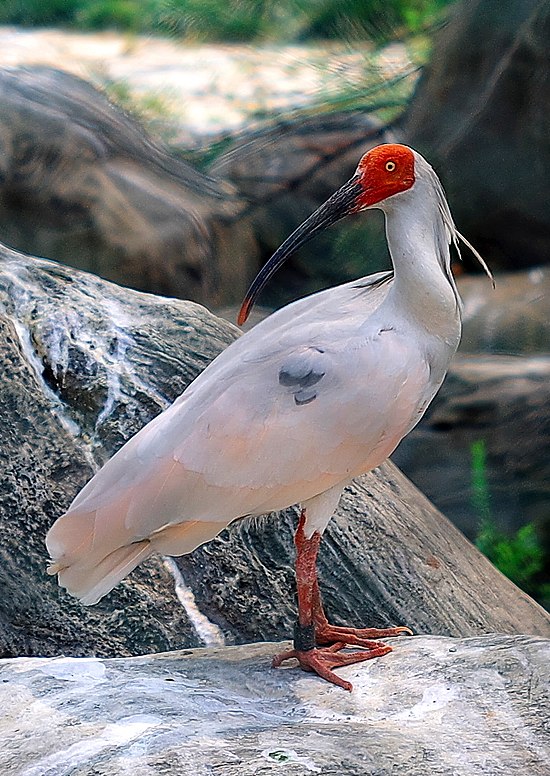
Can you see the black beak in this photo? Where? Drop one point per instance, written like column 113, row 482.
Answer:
column 340, row 204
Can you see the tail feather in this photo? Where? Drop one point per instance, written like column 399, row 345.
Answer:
column 181, row 538
column 93, row 551
column 100, row 539
column 89, row 583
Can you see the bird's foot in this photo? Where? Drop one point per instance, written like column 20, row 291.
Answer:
column 321, row 661
column 357, row 637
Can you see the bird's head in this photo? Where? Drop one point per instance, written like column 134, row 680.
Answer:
column 382, row 172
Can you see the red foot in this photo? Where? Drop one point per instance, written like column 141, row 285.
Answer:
column 321, row 661
column 358, row 637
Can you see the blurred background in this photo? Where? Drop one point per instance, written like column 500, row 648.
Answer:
column 171, row 145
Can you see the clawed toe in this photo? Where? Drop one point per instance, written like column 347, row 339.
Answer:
column 358, row 637
column 322, row 660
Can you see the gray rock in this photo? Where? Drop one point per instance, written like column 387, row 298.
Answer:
column 82, row 183
column 512, row 319
column 80, row 372
column 481, row 114
column 451, row 707
column 84, row 365
column 501, row 402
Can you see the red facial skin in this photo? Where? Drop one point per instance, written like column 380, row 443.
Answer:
column 384, row 171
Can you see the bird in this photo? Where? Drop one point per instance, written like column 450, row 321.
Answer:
column 316, row 394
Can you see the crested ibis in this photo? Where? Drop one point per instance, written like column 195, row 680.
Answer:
column 316, row 394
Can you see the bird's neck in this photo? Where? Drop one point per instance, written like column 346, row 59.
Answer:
column 423, row 288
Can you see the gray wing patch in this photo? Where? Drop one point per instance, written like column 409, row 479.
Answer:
column 301, row 372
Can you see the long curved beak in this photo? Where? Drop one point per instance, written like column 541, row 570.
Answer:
column 340, row 204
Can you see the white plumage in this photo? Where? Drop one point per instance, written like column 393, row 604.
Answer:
column 321, row 391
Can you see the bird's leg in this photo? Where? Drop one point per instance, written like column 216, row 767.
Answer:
column 325, row 633
column 311, row 658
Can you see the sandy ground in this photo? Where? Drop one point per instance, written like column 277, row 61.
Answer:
column 203, row 90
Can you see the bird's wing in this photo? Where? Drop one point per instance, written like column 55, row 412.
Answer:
column 284, row 414
column 253, row 357
column 280, row 416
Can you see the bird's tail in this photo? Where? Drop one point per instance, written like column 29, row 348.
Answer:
column 89, row 569
column 92, row 551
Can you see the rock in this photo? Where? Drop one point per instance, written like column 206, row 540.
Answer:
column 81, row 373
column 501, row 402
column 82, row 183
column 474, row 707
column 84, row 365
column 511, row 319
column 481, row 114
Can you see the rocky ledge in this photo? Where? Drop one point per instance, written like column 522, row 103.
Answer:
column 435, row 705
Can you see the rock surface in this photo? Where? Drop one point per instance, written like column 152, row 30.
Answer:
column 80, row 372
column 481, row 114
column 84, row 365
column 512, row 319
column 451, row 707
column 82, row 183
column 501, row 402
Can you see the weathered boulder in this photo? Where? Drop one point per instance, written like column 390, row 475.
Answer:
column 84, row 365
column 501, row 402
column 82, row 183
column 512, row 319
column 452, row 707
column 481, row 114
column 71, row 392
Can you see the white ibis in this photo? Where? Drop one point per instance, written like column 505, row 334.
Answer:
column 318, row 393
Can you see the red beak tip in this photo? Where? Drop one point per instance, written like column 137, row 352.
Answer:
column 243, row 314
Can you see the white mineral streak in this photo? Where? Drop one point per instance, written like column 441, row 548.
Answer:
column 117, row 341
column 37, row 367
column 20, row 282
column 59, row 327
column 435, row 698
column 208, row 632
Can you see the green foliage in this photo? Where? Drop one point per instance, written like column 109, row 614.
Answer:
column 372, row 19
column 520, row 557
column 130, row 15
column 231, row 20
column 298, row 20
column 38, row 12
column 234, row 20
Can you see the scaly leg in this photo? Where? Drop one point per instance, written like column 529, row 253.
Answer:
column 325, row 633
column 311, row 617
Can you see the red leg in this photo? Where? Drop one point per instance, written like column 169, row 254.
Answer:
column 311, row 619
column 325, row 633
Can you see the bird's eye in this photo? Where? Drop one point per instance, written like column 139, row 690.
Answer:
column 390, row 166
